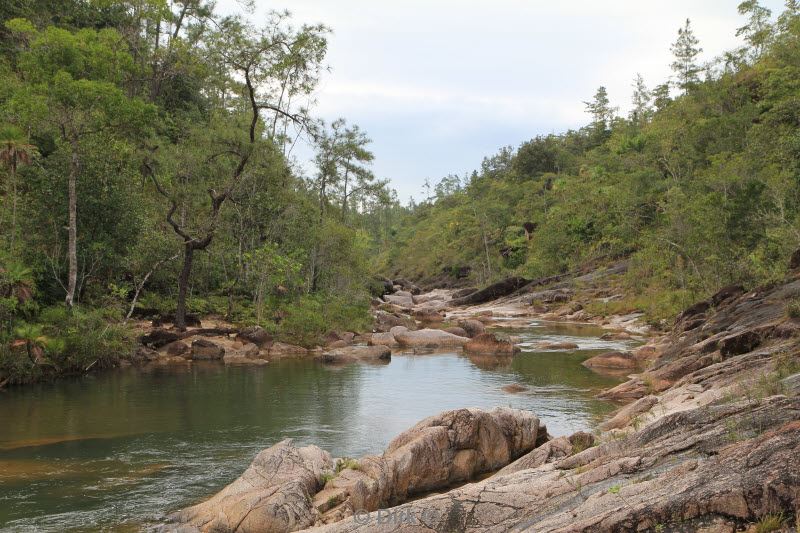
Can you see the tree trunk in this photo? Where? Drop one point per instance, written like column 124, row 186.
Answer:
column 315, row 260
column 72, row 244
column 183, row 286
column 13, row 205
column 344, row 196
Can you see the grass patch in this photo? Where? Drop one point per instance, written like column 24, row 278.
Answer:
column 770, row 522
column 793, row 308
column 347, row 462
column 660, row 307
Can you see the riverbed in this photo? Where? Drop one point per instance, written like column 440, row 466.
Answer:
column 118, row 450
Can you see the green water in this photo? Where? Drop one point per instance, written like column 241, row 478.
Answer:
column 118, row 450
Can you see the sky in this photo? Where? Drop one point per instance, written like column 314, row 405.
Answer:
column 440, row 84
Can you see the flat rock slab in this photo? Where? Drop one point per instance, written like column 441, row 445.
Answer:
column 353, row 354
column 428, row 338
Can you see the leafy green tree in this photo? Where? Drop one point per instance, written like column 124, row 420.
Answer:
column 262, row 59
column 758, row 30
column 72, row 94
column 341, row 160
column 14, row 152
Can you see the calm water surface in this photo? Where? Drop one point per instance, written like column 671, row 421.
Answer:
column 119, row 450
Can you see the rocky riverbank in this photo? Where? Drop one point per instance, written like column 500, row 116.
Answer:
column 708, row 441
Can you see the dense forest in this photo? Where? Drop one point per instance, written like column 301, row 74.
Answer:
column 146, row 163
column 146, row 153
column 699, row 184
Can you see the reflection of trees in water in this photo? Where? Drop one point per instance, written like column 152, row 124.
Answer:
column 259, row 403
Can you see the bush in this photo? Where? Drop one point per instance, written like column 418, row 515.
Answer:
column 793, row 308
column 306, row 319
column 63, row 343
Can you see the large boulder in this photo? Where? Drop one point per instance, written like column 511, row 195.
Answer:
column 353, row 354
column 383, row 339
column 456, row 446
column 280, row 350
column 428, row 315
column 488, row 343
column 438, row 452
column 428, row 338
column 256, row 335
column 385, row 321
column 273, row 494
column 472, row 326
column 176, row 348
column 204, row 349
column 401, row 298
column 614, row 360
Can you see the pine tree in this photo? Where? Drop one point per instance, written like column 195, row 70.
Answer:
column 601, row 110
column 642, row 110
column 686, row 50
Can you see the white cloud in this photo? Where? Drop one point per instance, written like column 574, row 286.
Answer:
column 439, row 84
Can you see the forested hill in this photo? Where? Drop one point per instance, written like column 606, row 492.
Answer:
column 699, row 184
column 146, row 168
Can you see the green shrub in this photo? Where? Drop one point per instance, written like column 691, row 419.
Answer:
column 306, row 319
column 65, row 343
column 793, row 308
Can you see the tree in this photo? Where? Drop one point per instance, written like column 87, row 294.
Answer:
column 14, row 151
column 601, row 111
column 758, row 30
column 342, row 159
column 261, row 59
column 685, row 50
column 660, row 96
column 74, row 94
column 642, row 97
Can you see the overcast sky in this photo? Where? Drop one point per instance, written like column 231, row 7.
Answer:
column 440, row 84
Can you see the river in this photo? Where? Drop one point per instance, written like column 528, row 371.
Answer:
column 117, row 450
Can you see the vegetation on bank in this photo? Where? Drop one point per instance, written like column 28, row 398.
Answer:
column 699, row 184
column 145, row 161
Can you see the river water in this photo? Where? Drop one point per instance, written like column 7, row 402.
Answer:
column 118, row 450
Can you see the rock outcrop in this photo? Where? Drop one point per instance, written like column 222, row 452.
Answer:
column 273, row 494
column 204, row 349
column 678, row 474
column 282, row 489
column 492, row 292
column 488, row 343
